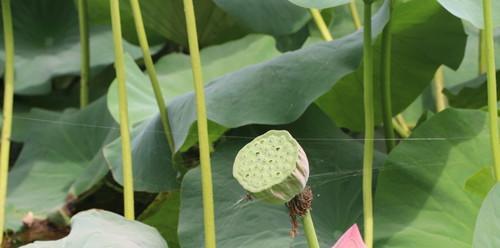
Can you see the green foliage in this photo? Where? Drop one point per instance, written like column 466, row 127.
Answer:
column 420, row 200
column 264, row 69
column 414, row 62
column 319, row 4
column 335, row 179
column 47, row 44
column 261, row 17
column 164, row 19
column 488, row 223
column 174, row 73
column 58, row 162
column 471, row 10
column 98, row 228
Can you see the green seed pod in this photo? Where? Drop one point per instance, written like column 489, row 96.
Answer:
column 273, row 167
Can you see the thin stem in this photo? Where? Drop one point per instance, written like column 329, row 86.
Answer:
column 206, row 171
column 320, row 23
column 440, row 98
column 369, row 126
column 150, row 68
column 355, row 14
column 402, row 131
column 482, row 53
column 85, row 52
column 402, row 122
column 128, row 182
column 385, row 78
column 8, row 102
column 309, row 230
column 492, row 86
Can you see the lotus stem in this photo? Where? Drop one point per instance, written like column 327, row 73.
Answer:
column 150, row 68
column 369, row 125
column 320, row 23
column 385, row 78
column 355, row 14
column 402, row 131
column 440, row 98
column 492, row 85
column 128, row 181
column 309, row 230
column 85, row 52
column 204, row 143
column 482, row 53
column 8, row 102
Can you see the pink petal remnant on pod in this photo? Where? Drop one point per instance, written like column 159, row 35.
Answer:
column 350, row 239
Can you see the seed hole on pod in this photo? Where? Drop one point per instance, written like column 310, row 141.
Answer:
column 257, row 153
column 278, row 148
column 278, row 173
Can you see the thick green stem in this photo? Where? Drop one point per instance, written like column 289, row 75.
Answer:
column 85, row 52
column 320, row 23
column 206, row 171
column 492, row 86
column 385, row 78
column 438, row 90
column 150, row 68
column 355, row 14
column 128, row 182
column 369, row 125
column 8, row 103
column 482, row 53
column 309, row 230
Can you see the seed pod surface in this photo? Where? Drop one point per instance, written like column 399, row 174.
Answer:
column 273, row 167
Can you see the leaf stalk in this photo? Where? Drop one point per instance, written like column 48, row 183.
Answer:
column 355, row 14
column 8, row 103
column 128, row 181
column 492, row 85
column 85, row 52
column 310, row 231
column 150, row 68
column 320, row 23
column 385, row 78
column 369, row 125
column 206, row 171
column 441, row 102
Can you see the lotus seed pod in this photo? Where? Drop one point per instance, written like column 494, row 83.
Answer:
column 272, row 167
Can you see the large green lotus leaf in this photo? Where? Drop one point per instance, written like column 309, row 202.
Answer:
column 175, row 75
column 421, row 200
column 48, row 45
column 469, row 68
column 61, row 159
column 165, row 18
column 151, row 159
column 99, row 228
column 335, row 162
column 163, row 214
column 488, row 221
column 472, row 10
column 319, row 4
column 424, row 36
column 277, row 17
column 470, row 94
column 274, row 92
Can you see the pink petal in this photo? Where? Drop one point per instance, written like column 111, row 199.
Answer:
column 350, row 239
